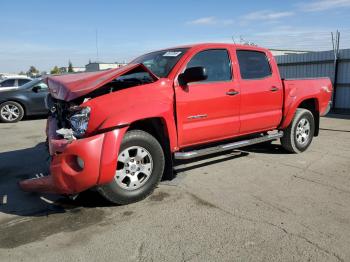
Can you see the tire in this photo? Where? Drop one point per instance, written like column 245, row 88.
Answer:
column 299, row 134
column 11, row 112
column 135, row 144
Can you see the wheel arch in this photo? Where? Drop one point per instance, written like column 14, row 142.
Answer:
column 309, row 103
column 157, row 127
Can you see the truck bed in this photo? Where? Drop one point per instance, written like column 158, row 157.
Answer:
column 318, row 90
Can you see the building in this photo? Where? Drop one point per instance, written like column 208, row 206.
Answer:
column 278, row 52
column 6, row 75
column 321, row 64
column 76, row 69
column 97, row 66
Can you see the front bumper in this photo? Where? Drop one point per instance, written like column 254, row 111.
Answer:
column 68, row 175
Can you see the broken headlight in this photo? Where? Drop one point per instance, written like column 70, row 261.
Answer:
column 79, row 121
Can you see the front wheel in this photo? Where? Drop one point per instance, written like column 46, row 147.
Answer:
column 140, row 167
column 298, row 135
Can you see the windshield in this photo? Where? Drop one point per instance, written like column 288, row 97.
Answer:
column 162, row 62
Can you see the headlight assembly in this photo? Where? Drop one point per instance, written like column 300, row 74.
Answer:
column 79, row 121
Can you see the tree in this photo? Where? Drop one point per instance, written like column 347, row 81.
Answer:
column 70, row 67
column 32, row 71
column 63, row 70
column 55, row 70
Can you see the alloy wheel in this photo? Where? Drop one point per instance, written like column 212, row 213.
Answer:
column 303, row 131
column 134, row 168
column 10, row 112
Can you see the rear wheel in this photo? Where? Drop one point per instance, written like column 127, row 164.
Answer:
column 139, row 169
column 11, row 112
column 299, row 134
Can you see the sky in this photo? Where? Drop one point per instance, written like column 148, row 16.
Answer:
column 49, row 33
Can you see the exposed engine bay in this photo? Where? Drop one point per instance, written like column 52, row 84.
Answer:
column 70, row 115
column 135, row 77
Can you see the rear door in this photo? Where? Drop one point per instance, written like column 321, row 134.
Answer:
column 208, row 110
column 261, row 91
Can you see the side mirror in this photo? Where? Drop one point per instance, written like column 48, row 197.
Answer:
column 193, row 74
column 36, row 89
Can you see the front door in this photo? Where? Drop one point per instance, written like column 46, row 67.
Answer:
column 208, row 110
column 37, row 99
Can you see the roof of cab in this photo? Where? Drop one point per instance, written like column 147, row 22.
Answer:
column 221, row 45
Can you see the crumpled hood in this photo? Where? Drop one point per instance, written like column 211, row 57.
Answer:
column 70, row 86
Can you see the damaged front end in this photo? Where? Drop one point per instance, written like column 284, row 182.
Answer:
column 72, row 121
column 78, row 155
column 75, row 159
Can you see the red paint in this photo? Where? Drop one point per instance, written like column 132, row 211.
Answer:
column 109, row 155
column 70, row 86
column 261, row 109
column 254, row 109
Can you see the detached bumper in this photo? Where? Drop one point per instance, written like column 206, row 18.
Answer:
column 79, row 164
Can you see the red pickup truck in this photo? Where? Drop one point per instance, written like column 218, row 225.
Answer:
column 119, row 130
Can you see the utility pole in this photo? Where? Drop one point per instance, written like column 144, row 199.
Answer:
column 96, row 46
column 335, row 43
column 233, row 39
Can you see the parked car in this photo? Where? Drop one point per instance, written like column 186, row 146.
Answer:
column 26, row 100
column 119, row 130
column 13, row 82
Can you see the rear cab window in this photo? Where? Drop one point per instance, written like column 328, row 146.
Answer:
column 217, row 63
column 253, row 64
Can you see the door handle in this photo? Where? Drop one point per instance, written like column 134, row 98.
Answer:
column 274, row 89
column 232, row 93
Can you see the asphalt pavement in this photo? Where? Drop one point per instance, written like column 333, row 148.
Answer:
column 256, row 204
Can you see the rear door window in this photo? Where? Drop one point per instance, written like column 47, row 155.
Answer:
column 8, row 83
column 253, row 64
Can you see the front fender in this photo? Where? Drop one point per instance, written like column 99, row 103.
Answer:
column 109, row 155
column 124, row 107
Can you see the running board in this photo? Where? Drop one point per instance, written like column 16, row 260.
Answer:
column 225, row 147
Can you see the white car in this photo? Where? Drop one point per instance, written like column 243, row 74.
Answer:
column 13, row 82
